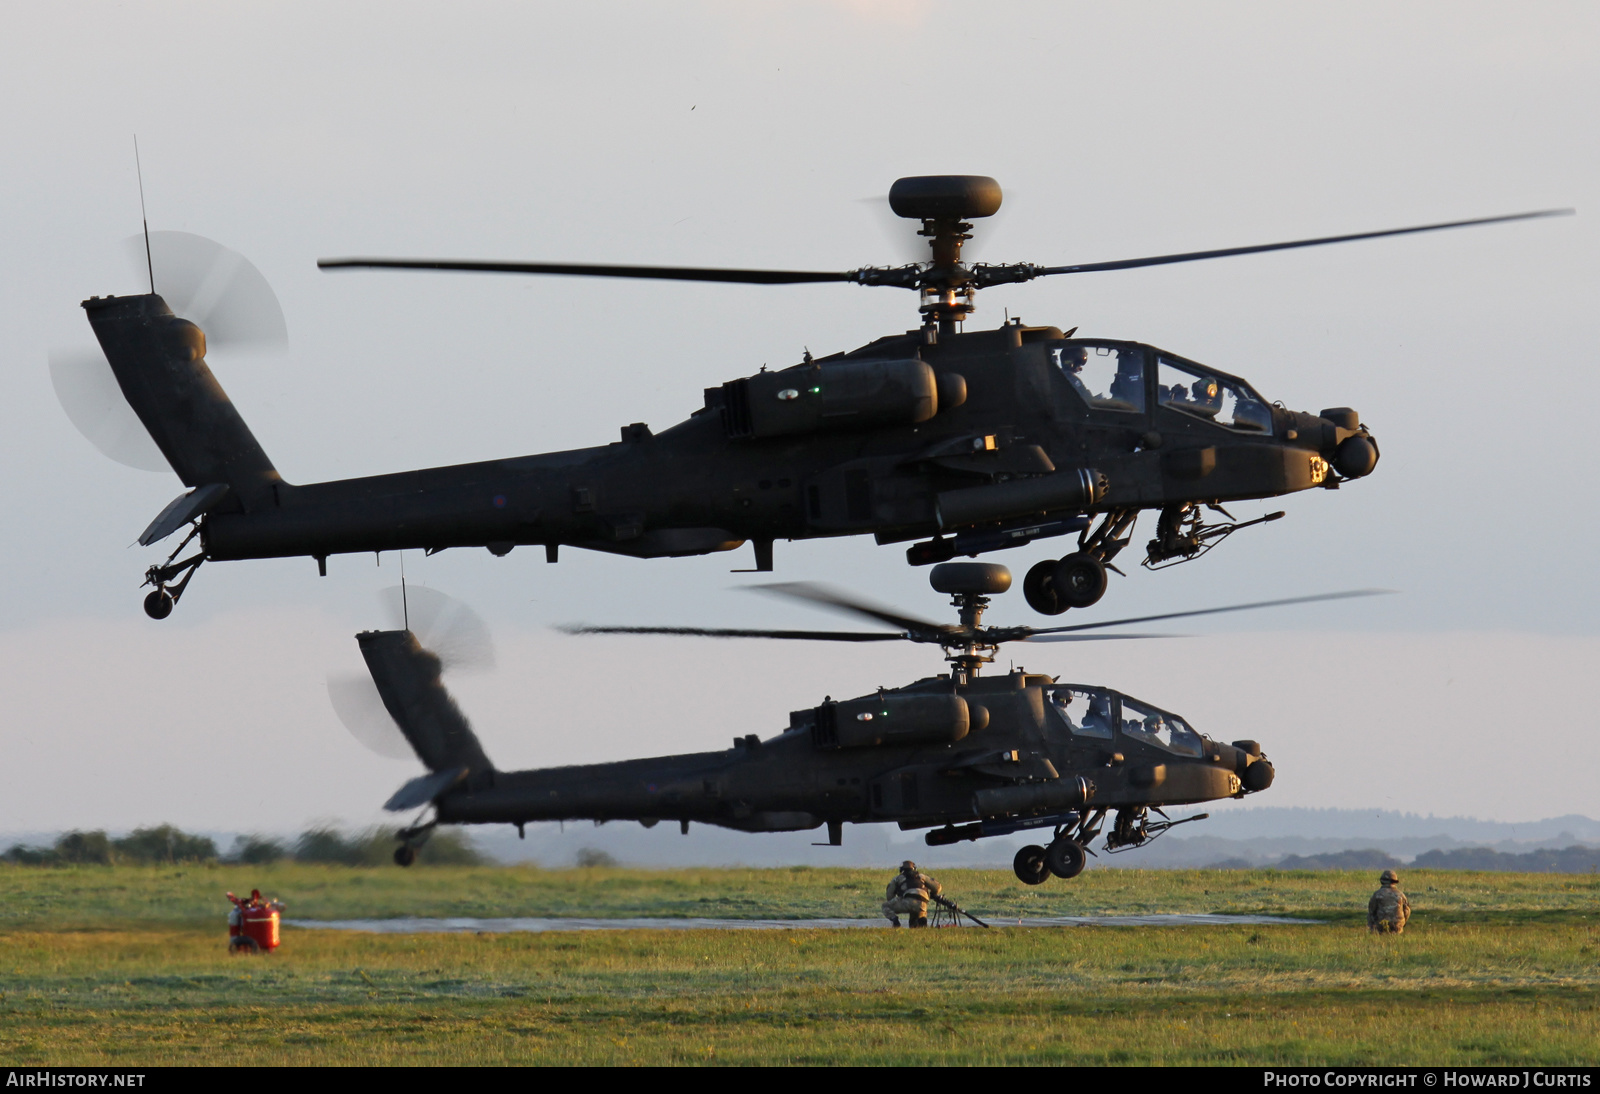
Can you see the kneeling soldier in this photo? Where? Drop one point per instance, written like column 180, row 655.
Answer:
column 908, row 892
column 1388, row 909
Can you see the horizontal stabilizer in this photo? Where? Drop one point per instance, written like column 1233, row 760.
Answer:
column 181, row 510
column 423, row 789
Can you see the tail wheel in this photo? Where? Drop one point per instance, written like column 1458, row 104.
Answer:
column 1065, row 858
column 158, row 605
column 1038, row 588
column 1030, row 866
column 1079, row 580
column 405, row 855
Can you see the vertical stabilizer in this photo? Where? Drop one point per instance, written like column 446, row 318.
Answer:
column 407, row 677
column 159, row 362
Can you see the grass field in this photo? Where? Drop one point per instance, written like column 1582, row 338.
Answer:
column 126, row 966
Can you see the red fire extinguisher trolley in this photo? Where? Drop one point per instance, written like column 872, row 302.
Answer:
column 253, row 923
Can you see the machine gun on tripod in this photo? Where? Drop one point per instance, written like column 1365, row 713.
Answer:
column 953, row 911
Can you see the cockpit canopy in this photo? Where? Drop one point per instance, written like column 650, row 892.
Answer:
column 1129, row 378
column 1098, row 714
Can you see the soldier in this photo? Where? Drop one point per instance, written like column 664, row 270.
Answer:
column 1388, row 909
column 908, row 892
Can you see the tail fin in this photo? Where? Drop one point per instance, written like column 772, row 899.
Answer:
column 159, row 362
column 407, row 677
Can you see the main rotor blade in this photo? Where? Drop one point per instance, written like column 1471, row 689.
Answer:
column 839, row 600
column 582, row 269
column 727, row 632
column 1195, row 256
column 1095, row 637
column 1348, row 595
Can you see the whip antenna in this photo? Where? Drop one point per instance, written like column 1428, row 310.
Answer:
column 405, row 609
column 149, row 265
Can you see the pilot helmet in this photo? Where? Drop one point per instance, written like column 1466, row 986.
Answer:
column 908, row 866
column 1389, row 877
column 1074, row 358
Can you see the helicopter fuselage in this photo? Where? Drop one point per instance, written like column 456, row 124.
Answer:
column 1015, row 757
column 698, row 487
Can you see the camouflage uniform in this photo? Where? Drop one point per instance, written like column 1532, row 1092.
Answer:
column 908, row 892
column 1388, row 909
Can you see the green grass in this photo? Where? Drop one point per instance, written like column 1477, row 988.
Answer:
column 126, row 966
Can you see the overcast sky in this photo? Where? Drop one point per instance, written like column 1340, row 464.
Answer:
column 760, row 135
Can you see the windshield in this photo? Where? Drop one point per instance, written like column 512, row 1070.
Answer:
column 1157, row 727
column 1085, row 713
column 1189, row 388
column 1105, row 377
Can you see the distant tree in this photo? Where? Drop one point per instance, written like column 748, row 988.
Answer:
column 452, row 847
column 1576, row 859
column 375, row 847
column 326, row 844
column 23, row 855
column 256, row 850
column 592, row 856
column 164, row 845
column 1366, row 859
column 88, row 848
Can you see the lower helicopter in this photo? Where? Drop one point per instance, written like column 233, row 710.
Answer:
column 961, row 755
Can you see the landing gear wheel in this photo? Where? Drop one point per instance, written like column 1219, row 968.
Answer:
column 1065, row 858
column 405, row 855
column 1079, row 580
column 1030, row 865
column 158, row 605
column 1038, row 588
column 243, row 943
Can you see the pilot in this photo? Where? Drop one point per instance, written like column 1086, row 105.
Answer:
column 1207, row 394
column 1073, row 359
column 1062, row 698
column 1098, row 720
column 1388, row 909
column 909, row 892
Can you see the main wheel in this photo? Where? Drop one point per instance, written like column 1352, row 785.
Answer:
column 405, row 855
column 1030, row 865
column 1079, row 580
column 1038, row 588
column 243, row 943
column 1065, row 858
column 158, row 605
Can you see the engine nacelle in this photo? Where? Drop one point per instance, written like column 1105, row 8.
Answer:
column 1066, row 793
column 891, row 720
column 1075, row 488
column 839, row 395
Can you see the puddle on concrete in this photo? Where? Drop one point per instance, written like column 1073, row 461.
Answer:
column 418, row 925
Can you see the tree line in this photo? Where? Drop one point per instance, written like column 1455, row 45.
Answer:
column 166, row 845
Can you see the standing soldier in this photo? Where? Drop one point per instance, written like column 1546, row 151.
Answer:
column 1388, row 909
column 908, row 892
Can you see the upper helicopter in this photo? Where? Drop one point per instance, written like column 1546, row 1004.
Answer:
column 957, row 441
column 960, row 756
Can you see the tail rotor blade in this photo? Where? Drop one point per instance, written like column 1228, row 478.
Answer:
column 455, row 633
column 215, row 288
column 88, row 391
column 356, row 701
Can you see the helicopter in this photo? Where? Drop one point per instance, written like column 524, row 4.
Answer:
column 958, row 442
column 960, row 755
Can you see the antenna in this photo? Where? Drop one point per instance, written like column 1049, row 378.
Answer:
column 405, row 608
column 138, row 168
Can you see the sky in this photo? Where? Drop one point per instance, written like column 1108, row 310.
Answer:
column 702, row 133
